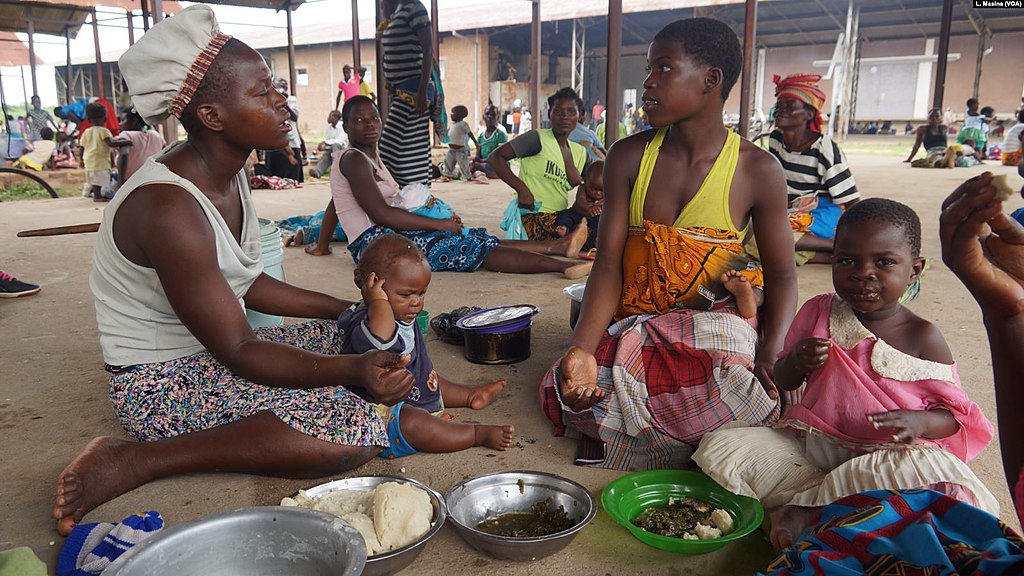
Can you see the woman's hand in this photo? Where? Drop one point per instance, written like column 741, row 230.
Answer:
column 576, row 376
column 764, row 369
column 448, row 225
column 984, row 247
column 421, row 100
column 373, row 288
column 526, row 199
column 384, row 376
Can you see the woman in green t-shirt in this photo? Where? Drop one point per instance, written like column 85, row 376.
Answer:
column 549, row 165
column 490, row 138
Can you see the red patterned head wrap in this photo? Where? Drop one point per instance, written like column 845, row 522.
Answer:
column 802, row 87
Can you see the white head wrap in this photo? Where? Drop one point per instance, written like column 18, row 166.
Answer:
column 164, row 68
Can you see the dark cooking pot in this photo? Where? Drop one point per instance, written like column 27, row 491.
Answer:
column 498, row 335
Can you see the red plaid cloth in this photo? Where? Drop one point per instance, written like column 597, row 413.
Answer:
column 670, row 379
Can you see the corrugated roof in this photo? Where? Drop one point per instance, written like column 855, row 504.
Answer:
column 13, row 52
column 54, row 16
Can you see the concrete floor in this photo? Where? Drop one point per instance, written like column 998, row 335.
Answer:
column 53, row 388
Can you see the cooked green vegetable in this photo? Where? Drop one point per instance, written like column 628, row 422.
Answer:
column 677, row 519
column 541, row 520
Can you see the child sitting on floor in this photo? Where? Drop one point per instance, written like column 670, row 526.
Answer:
column 879, row 402
column 392, row 276
column 38, row 158
column 588, row 205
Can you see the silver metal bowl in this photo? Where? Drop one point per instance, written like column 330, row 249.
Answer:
column 262, row 540
column 395, row 560
column 472, row 501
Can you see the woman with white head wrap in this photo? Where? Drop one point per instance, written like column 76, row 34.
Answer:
column 177, row 260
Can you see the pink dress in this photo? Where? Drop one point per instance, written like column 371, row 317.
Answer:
column 824, row 448
column 353, row 219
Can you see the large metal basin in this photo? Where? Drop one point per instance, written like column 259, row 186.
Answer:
column 477, row 499
column 395, row 560
column 266, row 540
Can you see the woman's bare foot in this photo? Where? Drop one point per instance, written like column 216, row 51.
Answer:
column 295, row 239
column 789, row 522
column 575, row 240
column 482, row 396
column 315, row 250
column 494, row 437
column 577, row 271
column 741, row 289
column 100, row 473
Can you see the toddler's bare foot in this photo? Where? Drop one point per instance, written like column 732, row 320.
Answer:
column 576, row 239
column 298, row 239
column 494, row 437
column 561, row 231
column 314, row 250
column 789, row 522
column 741, row 289
column 578, row 271
column 482, row 396
column 100, row 473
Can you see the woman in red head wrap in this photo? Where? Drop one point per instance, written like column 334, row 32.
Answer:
column 818, row 180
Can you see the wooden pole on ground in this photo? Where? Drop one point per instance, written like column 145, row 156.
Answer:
column 357, row 59
column 940, row 70
column 99, row 57
column 535, row 66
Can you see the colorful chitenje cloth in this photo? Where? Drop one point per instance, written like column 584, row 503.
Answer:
column 909, row 532
column 802, row 87
column 671, row 268
column 669, row 379
column 446, row 251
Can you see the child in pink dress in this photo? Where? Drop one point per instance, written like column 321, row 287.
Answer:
column 877, row 398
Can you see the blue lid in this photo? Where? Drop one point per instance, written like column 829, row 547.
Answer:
column 501, row 319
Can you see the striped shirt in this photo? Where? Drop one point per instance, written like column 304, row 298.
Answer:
column 403, row 55
column 821, row 169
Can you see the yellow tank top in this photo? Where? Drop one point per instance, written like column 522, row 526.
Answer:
column 709, row 207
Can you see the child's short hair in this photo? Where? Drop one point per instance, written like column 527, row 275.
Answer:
column 889, row 212
column 95, row 111
column 972, row 102
column 460, row 111
column 593, row 169
column 350, row 103
column 46, row 133
column 710, row 42
column 987, row 111
column 566, row 93
column 384, row 251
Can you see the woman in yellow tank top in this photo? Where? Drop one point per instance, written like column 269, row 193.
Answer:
column 681, row 360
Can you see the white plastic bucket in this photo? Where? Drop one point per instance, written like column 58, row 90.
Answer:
column 272, row 252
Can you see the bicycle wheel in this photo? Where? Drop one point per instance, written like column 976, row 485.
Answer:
column 46, row 186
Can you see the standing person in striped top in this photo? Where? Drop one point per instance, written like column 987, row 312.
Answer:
column 408, row 60
column 820, row 185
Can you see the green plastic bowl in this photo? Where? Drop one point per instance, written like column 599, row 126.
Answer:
column 625, row 498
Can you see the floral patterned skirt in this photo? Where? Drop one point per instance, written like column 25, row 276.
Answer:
column 165, row 399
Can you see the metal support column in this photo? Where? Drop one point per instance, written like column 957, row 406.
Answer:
column 535, row 65
column 131, row 27
column 747, row 77
column 99, row 57
column 145, row 16
column 292, row 76
column 170, row 125
column 940, row 70
column 435, row 36
column 383, row 97
column 32, row 52
column 357, row 60
column 850, row 60
column 982, row 37
column 579, row 58
column 67, row 68
column 613, row 96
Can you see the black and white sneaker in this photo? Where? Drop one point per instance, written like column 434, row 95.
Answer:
column 11, row 287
